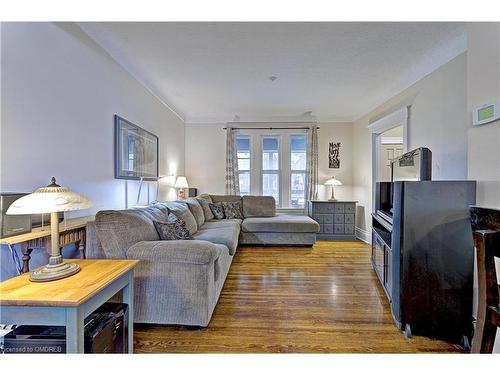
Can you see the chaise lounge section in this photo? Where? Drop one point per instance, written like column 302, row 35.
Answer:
column 179, row 281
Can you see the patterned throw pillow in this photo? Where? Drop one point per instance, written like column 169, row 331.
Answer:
column 173, row 229
column 232, row 210
column 217, row 210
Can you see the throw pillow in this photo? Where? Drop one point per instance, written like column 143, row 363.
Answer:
column 196, row 210
column 181, row 210
column 232, row 210
column 217, row 210
column 204, row 202
column 173, row 229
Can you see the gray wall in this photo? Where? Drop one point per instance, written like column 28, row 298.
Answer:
column 60, row 91
column 438, row 121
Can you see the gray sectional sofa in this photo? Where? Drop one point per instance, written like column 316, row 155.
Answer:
column 179, row 282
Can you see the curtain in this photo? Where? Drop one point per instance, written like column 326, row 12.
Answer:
column 232, row 177
column 312, row 164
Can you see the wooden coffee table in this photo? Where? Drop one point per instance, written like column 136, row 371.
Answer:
column 67, row 302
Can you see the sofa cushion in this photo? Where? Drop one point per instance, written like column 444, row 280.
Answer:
column 196, row 210
column 217, row 210
column 258, row 206
column 280, row 224
column 212, row 224
column 225, row 236
column 173, row 229
column 232, row 210
column 181, row 210
column 204, row 200
column 118, row 230
column 225, row 198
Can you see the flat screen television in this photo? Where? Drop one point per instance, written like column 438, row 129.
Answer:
column 414, row 165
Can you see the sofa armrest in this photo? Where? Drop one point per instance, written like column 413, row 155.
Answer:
column 181, row 251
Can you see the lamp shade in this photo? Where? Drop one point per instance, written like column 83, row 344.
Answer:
column 52, row 198
column 181, row 183
column 333, row 182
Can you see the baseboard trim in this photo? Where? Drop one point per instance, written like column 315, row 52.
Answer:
column 363, row 235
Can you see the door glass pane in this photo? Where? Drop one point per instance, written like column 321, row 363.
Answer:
column 243, row 164
column 243, row 151
column 298, row 152
column 270, row 185
column 298, row 189
column 244, row 183
column 270, row 154
column 243, row 144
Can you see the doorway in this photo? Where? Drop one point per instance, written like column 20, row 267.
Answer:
column 391, row 146
column 389, row 140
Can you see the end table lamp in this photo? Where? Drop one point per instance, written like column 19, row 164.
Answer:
column 333, row 182
column 51, row 199
column 181, row 184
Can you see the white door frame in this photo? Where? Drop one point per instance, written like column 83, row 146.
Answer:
column 400, row 117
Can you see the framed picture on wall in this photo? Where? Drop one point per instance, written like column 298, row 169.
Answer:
column 136, row 151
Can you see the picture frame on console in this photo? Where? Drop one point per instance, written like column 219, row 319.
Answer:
column 136, row 152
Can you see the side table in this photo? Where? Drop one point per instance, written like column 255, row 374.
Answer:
column 67, row 302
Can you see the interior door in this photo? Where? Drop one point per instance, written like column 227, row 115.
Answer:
column 389, row 152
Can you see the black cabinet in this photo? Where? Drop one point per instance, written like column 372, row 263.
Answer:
column 423, row 254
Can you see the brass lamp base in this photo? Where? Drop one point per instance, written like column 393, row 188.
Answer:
column 55, row 270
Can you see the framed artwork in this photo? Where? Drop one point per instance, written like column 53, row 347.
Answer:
column 334, row 155
column 136, row 152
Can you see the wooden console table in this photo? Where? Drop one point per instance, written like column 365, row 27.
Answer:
column 70, row 231
column 67, row 302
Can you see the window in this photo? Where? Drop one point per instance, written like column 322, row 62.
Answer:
column 271, row 167
column 243, row 150
column 273, row 164
column 297, row 170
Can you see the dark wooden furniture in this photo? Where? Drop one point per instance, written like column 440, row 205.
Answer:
column 70, row 231
column 423, row 255
column 486, row 227
column 337, row 219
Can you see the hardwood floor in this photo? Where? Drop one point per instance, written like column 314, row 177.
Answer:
column 295, row 300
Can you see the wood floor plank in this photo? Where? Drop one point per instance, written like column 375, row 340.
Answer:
column 324, row 299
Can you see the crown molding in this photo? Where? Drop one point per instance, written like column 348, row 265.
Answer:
column 224, row 119
column 118, row 58
column 433, row 61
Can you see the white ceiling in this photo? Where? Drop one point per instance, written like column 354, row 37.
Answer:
column 211, row 72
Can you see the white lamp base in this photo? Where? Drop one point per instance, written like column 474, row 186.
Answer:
column 52, row 272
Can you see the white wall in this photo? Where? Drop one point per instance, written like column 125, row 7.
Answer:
column 437, row 121
column 483, row 86
column 205, row 157
column 60, row 91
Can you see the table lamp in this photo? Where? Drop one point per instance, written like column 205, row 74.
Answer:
column 332, row 182
column 181, row 184
column 51, row 199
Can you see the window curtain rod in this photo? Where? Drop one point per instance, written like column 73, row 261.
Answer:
column 304, row 125
column 271, row 128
